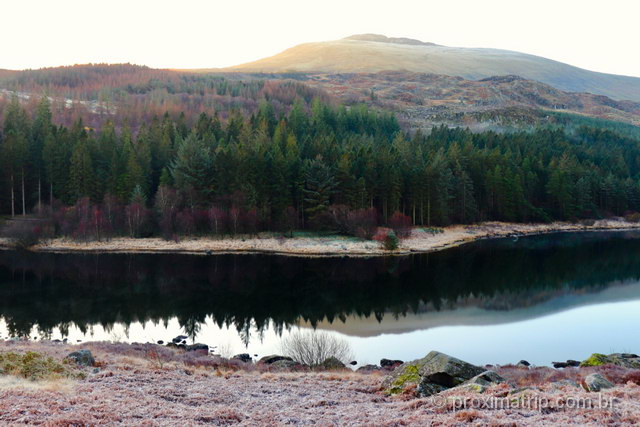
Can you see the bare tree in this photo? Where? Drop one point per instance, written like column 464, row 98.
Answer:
column 313, row 347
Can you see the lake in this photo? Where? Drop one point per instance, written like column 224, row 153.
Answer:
column 540, row 298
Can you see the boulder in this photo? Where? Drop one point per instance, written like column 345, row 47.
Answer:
column 82, row 358
column 433, row 373
column 483, row 381
column 626, row 360
column 353, row 363
column 390, row 364
column 573, row 363
column 243, row 357
column 596, row 382
column 367, row 369
column 197, row 347
column 523, row 364
column 559, row 365
column 331, row 364
column 179, row 339
column 273, row 358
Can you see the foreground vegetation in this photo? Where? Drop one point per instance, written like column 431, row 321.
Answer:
column 136, row 383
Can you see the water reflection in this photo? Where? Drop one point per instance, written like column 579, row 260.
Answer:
column 253, row 294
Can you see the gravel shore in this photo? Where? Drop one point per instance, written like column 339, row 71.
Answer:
column 421, row 240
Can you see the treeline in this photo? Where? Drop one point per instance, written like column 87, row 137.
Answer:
column 135, row 94
column 317, row 167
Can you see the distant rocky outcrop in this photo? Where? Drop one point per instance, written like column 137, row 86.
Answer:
column 626, row 360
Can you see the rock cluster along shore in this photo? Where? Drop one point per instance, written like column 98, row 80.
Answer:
column 438, row 372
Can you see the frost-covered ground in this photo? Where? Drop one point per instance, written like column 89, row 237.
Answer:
column 420, row 241
column 151, row 385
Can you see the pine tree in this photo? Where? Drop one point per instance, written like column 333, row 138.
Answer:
column 319, row 186
column 193, row 170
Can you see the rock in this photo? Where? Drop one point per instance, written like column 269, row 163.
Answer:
column 273, row 358
column 286, row 364
column 179, row 338
column 243, row 357
column 432, row 374
column 197, row 346
column 596, row 382
column 353, row 363
column 626, row 360
column 445, row 370
column 559, row 365
column 573, row 363
column 481, row 382
column 367, row 369
column 523, row 363
column 160, row 342
column 429, row 389
column 331, row 364
column 387, row 363
column 82, row 358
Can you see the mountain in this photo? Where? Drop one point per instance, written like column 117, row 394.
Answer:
column 368, row 53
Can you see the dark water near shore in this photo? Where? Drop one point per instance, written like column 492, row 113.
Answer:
column 540, row 298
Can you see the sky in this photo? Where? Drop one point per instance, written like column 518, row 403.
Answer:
column 600, row 36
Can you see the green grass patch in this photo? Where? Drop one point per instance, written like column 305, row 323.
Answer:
column 36, row 366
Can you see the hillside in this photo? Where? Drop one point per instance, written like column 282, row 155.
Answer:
column 372, row 53
column 424, row 100
column 125, row 92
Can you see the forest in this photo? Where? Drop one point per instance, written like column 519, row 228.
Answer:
column 316, row 166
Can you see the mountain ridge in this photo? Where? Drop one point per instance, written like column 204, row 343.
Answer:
column 368, row 53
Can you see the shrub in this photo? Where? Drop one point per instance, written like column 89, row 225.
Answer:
column 312, row 347
column 632, row 217
column 401, row 224
column 35, row 366
column 24, row 234
column 387, row 238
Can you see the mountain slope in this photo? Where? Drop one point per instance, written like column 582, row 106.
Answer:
column 372, row 53
column 425, row 100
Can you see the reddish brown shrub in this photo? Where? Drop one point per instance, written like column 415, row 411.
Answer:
column 401, row 224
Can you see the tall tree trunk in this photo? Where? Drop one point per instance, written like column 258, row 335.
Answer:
column 24, row 204
column 414, row 213
column 51, row 195
column 13, row 199
column 39, row 193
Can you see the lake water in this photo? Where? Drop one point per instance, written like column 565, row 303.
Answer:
column 540, row 298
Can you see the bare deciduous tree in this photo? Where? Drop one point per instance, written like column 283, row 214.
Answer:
column 313, row 347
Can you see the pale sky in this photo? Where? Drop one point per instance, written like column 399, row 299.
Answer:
column 596, row 35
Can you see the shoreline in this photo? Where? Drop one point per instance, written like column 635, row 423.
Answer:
column 420, row 241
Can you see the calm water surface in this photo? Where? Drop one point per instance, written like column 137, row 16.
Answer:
column 540, row 298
